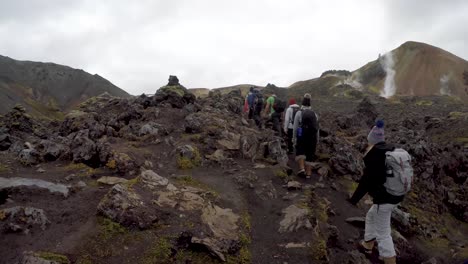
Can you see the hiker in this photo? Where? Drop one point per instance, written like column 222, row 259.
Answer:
column 251, row 101
column 273, row 111
column 289, row 123
column 375, row 181
column 270, row 102
column 257, row 108
column 305, row 137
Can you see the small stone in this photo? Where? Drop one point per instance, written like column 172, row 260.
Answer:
column 334, row 187
column 259, row 166
column 70, row 177
column 111, row 180
column 294, row 185
column 41, row 170
column 80, row 185
column 323, row 172
column 289, row 196
column 319, row 185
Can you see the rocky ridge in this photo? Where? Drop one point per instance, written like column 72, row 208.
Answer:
column 200, row 183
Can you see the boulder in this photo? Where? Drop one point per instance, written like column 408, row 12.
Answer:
column 50, row 150
column 229, row 141
column 151, row 128
column 22, row 219
column 17, row 182
column 176, row 96
column 295, row 218
column 84, row 150
column 173, row 80
column 29, row 157
column 40, row 258
column 124, row 205
column 5, row 142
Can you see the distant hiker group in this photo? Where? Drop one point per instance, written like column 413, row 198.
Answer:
column 387, row 175
column 298, row 124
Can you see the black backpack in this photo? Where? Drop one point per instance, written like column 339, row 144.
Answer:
column 295, row 110
column 309, row 122
column 258, row 100
column 279, row 105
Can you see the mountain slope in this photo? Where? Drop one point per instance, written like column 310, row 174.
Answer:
column 48, row 86
column 419, row 69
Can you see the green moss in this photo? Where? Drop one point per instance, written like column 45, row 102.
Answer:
column 75, row 166
column 349, row 185
column 194, row 257
column 132, row 182
column 281, row 174
column 84, row 260
column 109, row 228
column 53, row 257
column 44, row 111
column 188, row 180
column 4, row 168
column 185, row 163
column 243, row 257
column 159, row 253
column 178, row 89
column 319, row 250
column 375, row 89
column 424, row 103
column 457, row 115
column 245, row 221
column 318, row 207
column 462, row 140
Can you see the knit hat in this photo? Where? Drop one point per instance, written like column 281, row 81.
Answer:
column 376, row 135
column 292, row 101
column 379, row 123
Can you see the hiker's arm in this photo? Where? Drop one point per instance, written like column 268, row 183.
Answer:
column 287, row 119
column 267, row 106
column 360, row 191
column 368, row 178
column 296, row 125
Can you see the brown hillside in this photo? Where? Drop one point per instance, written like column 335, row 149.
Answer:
column 44, row 88
column 421, row 70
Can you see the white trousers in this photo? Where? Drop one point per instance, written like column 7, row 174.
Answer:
column 378, row 228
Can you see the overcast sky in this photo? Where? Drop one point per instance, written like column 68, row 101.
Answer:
column 215, row 43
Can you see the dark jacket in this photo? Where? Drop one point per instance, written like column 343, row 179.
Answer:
column 374, row 177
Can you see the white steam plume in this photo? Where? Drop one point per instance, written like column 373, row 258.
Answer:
column 388, row 64
column 444, row 85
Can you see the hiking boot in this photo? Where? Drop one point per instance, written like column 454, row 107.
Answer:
column 364, row 248
column 301, row 173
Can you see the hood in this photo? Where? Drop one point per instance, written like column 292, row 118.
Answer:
column 384, row 146
column 294, row 105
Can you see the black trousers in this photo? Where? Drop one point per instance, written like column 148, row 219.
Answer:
column 251, row 112
column 290, row 140
column 276, row 119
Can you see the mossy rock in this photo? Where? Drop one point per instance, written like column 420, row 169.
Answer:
column 458, row 115
column 424, row 103
column 53, row 257
column 188, row 158
column 177, row 89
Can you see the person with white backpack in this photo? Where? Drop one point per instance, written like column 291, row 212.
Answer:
column 387, row 178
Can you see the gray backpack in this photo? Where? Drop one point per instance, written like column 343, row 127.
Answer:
column 399, row 172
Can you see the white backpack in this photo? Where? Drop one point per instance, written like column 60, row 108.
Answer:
column 399, row 172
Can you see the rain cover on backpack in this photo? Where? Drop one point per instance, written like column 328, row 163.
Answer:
column 399, row 172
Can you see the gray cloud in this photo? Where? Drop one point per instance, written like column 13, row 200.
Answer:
column 136, row 45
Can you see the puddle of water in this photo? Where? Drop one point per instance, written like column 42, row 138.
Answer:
column 18, row 182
